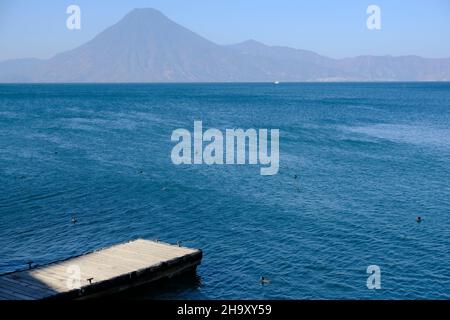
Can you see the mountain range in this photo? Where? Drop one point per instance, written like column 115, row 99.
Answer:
column 146, row 46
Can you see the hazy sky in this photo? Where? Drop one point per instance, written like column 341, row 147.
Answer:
column 330, row 27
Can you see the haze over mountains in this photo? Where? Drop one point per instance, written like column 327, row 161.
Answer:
column 145, row 46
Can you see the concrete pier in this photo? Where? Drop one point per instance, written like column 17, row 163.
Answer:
column 100, row 273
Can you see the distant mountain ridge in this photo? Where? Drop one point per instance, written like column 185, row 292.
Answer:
column 146, row 46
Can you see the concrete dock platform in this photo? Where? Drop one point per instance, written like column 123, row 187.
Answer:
column 100, row 273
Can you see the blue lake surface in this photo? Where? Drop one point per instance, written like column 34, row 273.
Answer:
column 369, row 159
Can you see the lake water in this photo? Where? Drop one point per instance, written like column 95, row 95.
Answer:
column 369, row 159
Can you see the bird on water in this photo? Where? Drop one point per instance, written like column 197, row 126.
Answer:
column 264, row 281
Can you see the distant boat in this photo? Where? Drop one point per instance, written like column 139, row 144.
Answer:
column 276, row 82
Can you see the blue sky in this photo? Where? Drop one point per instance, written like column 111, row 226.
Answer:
column 330, row 27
